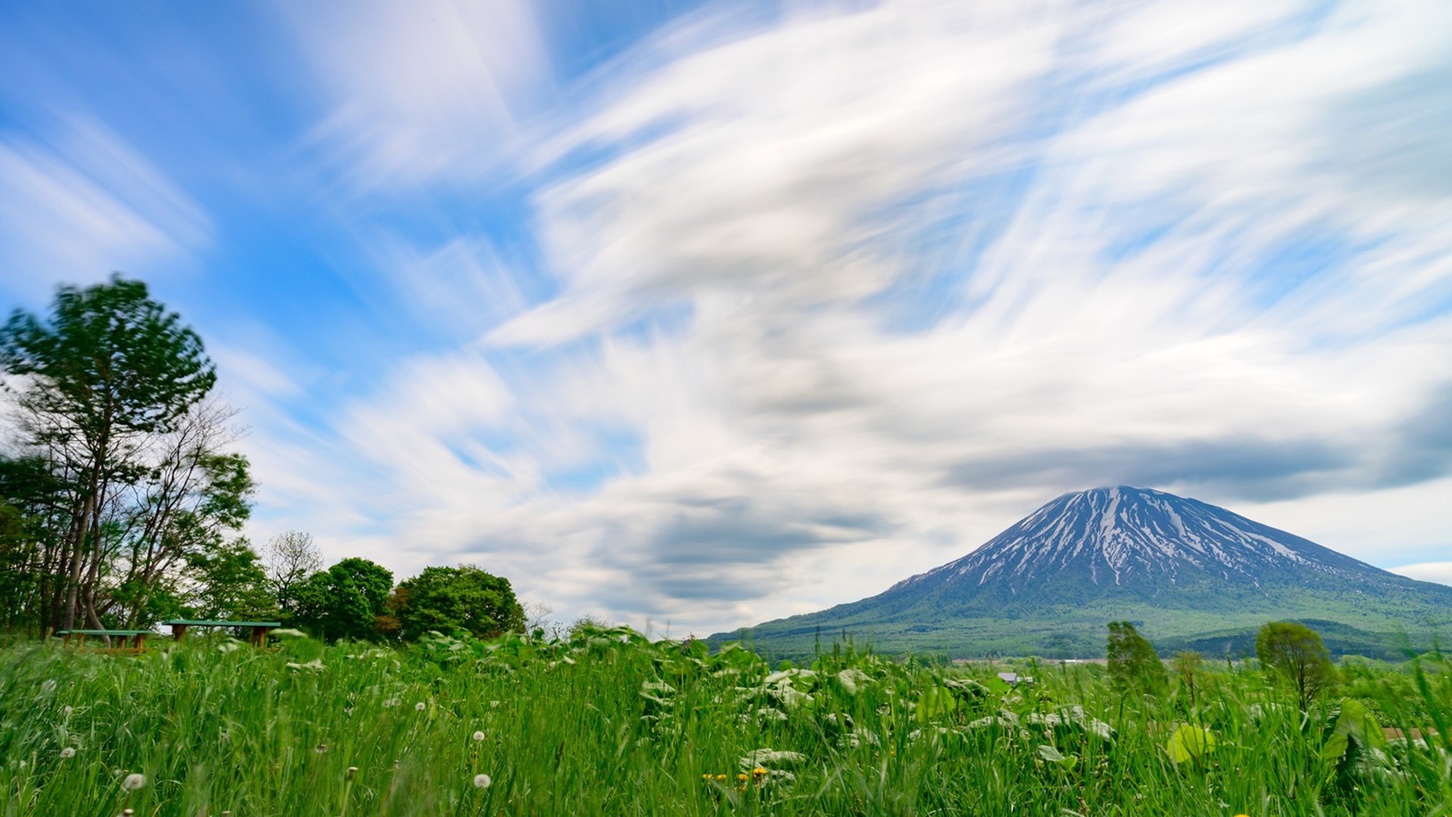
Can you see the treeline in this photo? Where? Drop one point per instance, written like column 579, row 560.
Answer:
column 122, row 500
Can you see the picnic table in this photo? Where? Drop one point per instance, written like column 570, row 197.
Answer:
column 259, row 628
column 122, row 635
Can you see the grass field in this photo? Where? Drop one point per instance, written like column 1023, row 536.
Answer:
column 611, row 724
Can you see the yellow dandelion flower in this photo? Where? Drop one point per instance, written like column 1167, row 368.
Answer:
column 758, row 771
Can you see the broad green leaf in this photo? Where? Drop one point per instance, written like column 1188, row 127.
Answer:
column 1053, row 755
column 1189, row 742
column 934, row 701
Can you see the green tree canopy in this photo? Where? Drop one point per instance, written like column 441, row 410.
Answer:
column 107, row 387
column 457, row 599
column 1133, row 664
column 233, row 585
column 344, row 601
column 1294, row 653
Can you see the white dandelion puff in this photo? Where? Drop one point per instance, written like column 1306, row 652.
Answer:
column 69, row 751
column 133, row 781
column 478, row 736
column 420, row 706
column 482, row 781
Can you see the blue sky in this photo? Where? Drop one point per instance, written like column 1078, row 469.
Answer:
column 699, row 314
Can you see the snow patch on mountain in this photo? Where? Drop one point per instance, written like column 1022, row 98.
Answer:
column 1122, row 534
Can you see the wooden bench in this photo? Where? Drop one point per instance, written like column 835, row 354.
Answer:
column 121, row 635
column 259, row 628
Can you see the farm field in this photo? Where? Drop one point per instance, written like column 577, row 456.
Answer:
column 610, row 723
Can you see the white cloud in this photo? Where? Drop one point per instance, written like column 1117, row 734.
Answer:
column 87, row 204
column 868, row 286
column 423, row 92
column 1440, row 572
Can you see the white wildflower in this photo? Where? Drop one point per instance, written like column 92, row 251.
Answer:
column 482, row 781
column 478, row 736
column 133, row 781
column 420, row 706
column 69, row 751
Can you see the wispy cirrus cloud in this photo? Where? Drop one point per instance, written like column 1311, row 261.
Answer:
column 426, row 93
column 86, row 202
column 837, row 293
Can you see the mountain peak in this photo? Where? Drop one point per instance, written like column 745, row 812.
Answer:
column 1123, row 534
column 1183, row 567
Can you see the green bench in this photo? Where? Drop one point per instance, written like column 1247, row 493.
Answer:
column 259, row 628
column 122, row 635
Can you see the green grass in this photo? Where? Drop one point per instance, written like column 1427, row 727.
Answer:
column 611, row 724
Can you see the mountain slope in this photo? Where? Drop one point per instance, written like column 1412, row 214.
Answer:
column 1185, row 569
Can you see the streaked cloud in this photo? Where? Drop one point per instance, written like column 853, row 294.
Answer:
column 84, row 199
column 776, row 306
column 419, row 93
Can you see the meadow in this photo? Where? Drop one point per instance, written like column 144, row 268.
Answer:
column 607, row 722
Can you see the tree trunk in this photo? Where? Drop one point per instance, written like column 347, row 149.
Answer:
column 73, row 585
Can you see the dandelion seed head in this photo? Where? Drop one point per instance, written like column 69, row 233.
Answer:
column 420, row 706
column 482, row 781
column 133, row 781
column 69, row 751
column 478, row 736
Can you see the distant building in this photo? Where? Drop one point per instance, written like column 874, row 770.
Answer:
column 1014, row 679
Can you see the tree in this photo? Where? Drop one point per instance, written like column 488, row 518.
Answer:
column 1294, row 652
column 107, row 370
column 177, row 519
column 537, row 619
column 344, row 601
column 457, row 600
column 1188, row 665
column 1133, row 664
column 291, row 558
column 234, row 586
column 34, row 506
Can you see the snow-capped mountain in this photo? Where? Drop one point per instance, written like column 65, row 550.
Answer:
column 1125, row 536
column 1192, row 574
